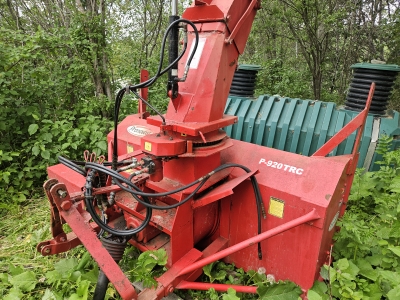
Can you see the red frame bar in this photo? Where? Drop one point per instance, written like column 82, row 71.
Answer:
column 82, row 229
column 239, row 24
column 251, row 241
column 144, row 93
column 357, row 123
column 205, row 286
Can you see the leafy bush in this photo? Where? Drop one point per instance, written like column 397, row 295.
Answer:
column 367, row 249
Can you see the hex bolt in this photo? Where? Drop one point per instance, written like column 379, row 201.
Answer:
column 66, row 205
column 62, row 193
column 170, row 289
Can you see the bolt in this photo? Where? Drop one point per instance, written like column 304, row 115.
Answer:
column 62, row 239
column 66, row 205
column 170, row 289
column 170, row 138
column 62, row 193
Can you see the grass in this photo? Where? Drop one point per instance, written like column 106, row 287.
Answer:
column 20, row 231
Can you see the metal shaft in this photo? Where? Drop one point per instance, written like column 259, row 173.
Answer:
column 174, row 7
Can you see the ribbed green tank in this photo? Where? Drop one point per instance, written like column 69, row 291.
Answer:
column 303, row 126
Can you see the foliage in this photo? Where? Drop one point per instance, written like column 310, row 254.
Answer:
column 267, row 288
column 145, row 266
column 367, row 250
column 25, row 274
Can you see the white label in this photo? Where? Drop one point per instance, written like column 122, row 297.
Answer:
column 196, row 58
column 281, row 166
column 139, row 131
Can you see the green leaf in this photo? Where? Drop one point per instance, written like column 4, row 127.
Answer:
column 231, row 295
column 395, row 250
column 26, row 281
column 281, row 291
column 35, row 150
column 392, row 277
column 366, row 269
column 102, row 145
column 311, row 295
column 394, row 294
column 217, row 274
column 49, row 295
column 4, row 278
column 47, row 137
column 342, row 264
column 6, row 176
column 83, row 289
column 374, row 291
column 53, row 276
column 15, row 270
column 45, row 154
column 33, row 128
column 319, row 288
column 91, row 276
column 66, row 265
column 324, row 272
column 14, row 294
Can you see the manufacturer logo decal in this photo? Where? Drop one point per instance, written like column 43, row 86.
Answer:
column 139, row 131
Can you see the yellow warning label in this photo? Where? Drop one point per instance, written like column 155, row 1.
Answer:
column 276, row 207
column 147, row 146
column 129, row 149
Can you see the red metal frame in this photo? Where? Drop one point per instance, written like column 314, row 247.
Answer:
column 144, row 93
column 357, row 123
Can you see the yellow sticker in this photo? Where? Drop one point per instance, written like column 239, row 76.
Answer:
column 276, row 207
column 147, row 146
column 129, row 148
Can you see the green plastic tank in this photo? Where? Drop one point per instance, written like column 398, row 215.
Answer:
column 303, row 126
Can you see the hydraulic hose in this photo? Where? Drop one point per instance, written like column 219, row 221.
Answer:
column 71, row 165
column 90, row 208
column 150, row 81
column 136, row 193
column 101, row 286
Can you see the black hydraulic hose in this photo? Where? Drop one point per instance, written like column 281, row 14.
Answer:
column 89, row 207
column 118, row 176
column 106, row 163
column 101, row 286
column 135, row 191
column 71, row 165
column 151, row 80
